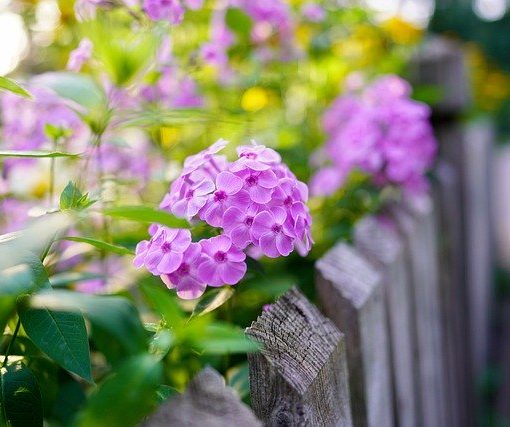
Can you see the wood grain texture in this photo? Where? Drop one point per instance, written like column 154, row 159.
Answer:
column 378, row 240
column 300, row 377
column 417, row 224
column 206, row 402
column 351, row 295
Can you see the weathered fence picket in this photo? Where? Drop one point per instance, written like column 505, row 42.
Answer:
column 351, row 294
column 299, row 378
column 206, row 402
column 379, row 241
column 417, row 224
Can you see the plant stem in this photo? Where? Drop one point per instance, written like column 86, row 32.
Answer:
column 14, row 335
column 51, row 192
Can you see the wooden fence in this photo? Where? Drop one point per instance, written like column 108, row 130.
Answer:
column 401, row 333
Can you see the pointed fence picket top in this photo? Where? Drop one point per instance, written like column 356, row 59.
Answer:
column 379, row 241
column 352, row 296
column 417, row 224
column 299, row 378
column 206, row 402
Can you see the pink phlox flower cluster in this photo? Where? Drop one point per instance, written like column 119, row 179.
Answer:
column 381, row 131
column 79, row 56
column 256, row 202
column 169, row 10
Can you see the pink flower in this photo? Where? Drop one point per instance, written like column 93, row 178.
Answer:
column 273, row 234
column 164, row 253
column 205, row 157
column 224, row 263
column 80, row 55
column 168, row 10
column 195, row 197
column 237, row 224
column 327, row 180
column 194, row 4
column 259, row 185
column 255, row 157
column 228, row 191
column 185, row 279
column 313, row 12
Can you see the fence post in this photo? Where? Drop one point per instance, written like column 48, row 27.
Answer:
column 206, row 402
column 300, row 375
column 379, row 241
column 351, row 295
column 418, row 226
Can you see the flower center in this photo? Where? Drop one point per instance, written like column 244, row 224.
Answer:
column 288, row 201
column 276, row 228
column 252, row 180
column 249, row 155
column 220, row 256
column 189, row 194
column 166, row 247
column 183, row 269
column 220, row 196
column 248, row 221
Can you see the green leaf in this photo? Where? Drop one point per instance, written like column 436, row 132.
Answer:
column 239, row 22
column 14, row 87
column 69, row 400
column 146, row 214
column 36, row 153
column 72, row 198
column 165, row 392
column 116, row 325
column 107, row 247
column 75, row 87
column 25, row 273
column 238, row 379
column 62, row 336
column 212, row 300
column 60, row 280
column 220, row 338
column 126, row 396
column 161, row 343
column 54, row 132
column 20, row 397
column 164, row 302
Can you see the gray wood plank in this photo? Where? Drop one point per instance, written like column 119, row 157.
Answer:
column 378, row 239
column 351, row 295
column 417, row 225
column 299, row 378
column 206, row 402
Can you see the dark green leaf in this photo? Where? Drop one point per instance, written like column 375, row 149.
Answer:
column 161, row 343
column 164, row 302
column 20, row 397
column 108, row 247
column 62, row 336
column 14, row 87
column 212, row 300
column 35, row 153
column 165, row 392
column 222, row 338
column 126, row 396
column 146, row 214
column 69, row 400
column 72, row 198
column 115, row 321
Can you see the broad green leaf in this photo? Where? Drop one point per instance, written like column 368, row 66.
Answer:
column 75, row 87
column 62, row 336
column 161, row 343
column 212, row 300
column 25, row 274
column 20, row 397
column 107, row 247
column 73, row 198
column 146, row 214
column 69, row 400
column 11, row 86
column 126, row 396
column 115, row 321
column 36, row 153
column 163, row 302
column 239, row 22
column 63, row 279
column 222, row 338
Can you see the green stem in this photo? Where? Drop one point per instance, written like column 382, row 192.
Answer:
column 51, row 192
column 14, row 335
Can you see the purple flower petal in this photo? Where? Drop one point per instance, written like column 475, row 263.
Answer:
column 232, row 272
column 228, row 182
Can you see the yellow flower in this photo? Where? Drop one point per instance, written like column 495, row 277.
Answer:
column 169, row 136
column 402, row 32
column 254, row 99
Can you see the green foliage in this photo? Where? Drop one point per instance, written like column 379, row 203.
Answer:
column 10, row 85
column 72, row 198
column 36, row 154
column 147, row 215
column 20, row 398
column 99, row 244
column 212, row 300
column 126, row 396
column 62, row 336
